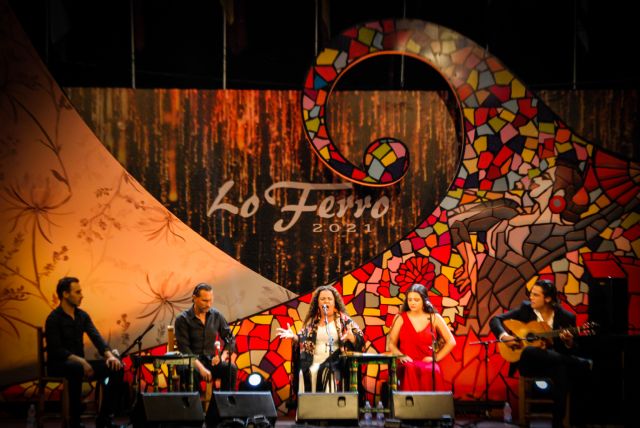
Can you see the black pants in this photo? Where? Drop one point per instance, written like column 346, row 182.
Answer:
column 225, row 371
column 565, row 371
column 74, row 373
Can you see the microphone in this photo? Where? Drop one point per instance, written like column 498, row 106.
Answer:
column 230, row 342
column 148, row 328
column 325, row 308
column 429, row 306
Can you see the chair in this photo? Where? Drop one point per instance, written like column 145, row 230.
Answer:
column 172, row 346
column 41, row 388
column 532, row 407
column 43, row 380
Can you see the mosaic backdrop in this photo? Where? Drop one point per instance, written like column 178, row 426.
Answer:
column 252, row 187
column 528, row 198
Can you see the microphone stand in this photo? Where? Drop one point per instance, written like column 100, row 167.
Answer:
column 485, row 344
column 228, row 340
column 137, row 341
column 433, row 354
column 326, row 325
column 138, row 375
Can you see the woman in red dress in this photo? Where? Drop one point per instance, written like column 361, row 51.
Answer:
column 413, row 334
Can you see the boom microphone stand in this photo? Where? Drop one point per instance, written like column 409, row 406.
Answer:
column 483, row 404
column 137, row 342
column 138, row 366
column 486, row 404
column 485, row 344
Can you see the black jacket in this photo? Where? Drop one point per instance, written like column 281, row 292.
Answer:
column 561, row 319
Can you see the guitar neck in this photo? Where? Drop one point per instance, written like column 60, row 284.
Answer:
column 556, row 333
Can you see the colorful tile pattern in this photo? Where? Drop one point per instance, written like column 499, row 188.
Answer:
column 531, row 198
column 512, row 141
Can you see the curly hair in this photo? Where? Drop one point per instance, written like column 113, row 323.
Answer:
column 314, row 308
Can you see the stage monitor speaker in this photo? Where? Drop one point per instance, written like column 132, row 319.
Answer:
column 175, row 408
column 609, row 304
column 247, row 407
column 323, row 406
column 423, row 406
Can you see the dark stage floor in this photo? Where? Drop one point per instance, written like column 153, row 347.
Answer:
column 464, row 419
column 290, row 423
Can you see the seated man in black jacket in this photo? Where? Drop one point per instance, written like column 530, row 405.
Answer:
column 556, row 361
column 64, row 331
column 199, row 331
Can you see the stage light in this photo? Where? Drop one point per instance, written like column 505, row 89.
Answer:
column 541, row 385
column 541, row 388
column 255, row 382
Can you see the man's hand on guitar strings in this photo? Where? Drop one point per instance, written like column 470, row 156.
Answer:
column 567, row 338
column 511, row 341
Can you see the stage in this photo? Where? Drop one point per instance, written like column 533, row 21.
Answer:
column 284, row 422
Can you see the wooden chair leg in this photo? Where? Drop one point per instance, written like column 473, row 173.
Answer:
column 208, row 392
column 98, row 395
column 41, row 390
column 522, row 414
column 530, row 406
column 567, row 412
column 64, row 404
column 40, row 395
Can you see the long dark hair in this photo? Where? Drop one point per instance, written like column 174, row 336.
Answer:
column 314, row 308
column 427, row 306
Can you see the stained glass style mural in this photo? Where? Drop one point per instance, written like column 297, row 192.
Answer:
column 528, row 198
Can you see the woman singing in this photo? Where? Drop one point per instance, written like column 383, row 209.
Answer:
column 326, row 332
column 414, row 334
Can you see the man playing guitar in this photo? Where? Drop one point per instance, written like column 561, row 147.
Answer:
column 552, row 359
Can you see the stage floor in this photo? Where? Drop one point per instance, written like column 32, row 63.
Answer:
column 291, row 423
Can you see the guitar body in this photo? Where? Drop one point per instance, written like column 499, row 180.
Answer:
column 528, row 335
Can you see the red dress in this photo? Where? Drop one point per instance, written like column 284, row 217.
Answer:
column 416, row 375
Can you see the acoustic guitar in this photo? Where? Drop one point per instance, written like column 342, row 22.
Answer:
column 535, row 333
